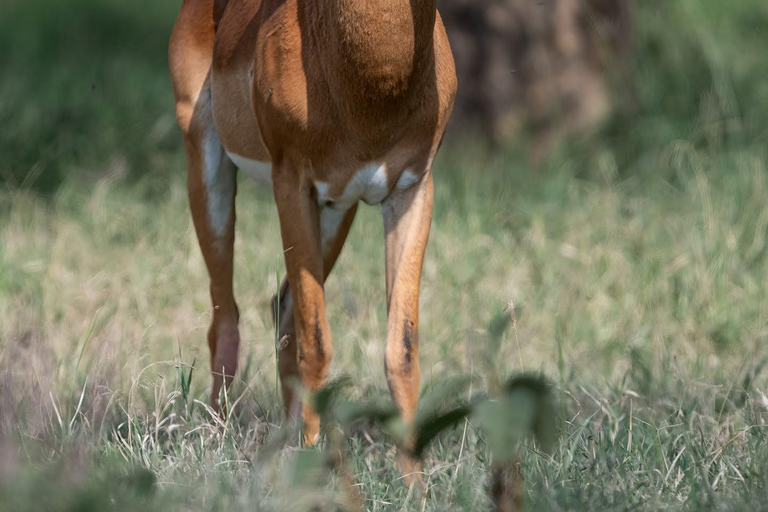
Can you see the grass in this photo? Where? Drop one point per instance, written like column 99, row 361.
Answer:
column 636, row 262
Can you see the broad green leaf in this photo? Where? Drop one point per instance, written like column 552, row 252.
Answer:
column 505, row 421
column 544, row 424
column 309, row 467
column 323, row 399
column 430, row 404
column 437, row 424
column 347, row 413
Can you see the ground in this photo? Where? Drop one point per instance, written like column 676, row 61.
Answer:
column 635, row 262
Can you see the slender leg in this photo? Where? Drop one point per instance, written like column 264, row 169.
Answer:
column 407, row 218
column 334, row 228
column 300, row 219
column 211, row 185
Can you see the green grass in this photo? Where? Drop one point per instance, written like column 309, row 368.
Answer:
column 636, row 262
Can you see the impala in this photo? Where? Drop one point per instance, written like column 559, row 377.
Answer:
column 331, row 102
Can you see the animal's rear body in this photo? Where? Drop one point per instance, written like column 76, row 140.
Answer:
column 332, row 102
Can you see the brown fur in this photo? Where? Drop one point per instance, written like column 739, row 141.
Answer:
column 319, row 88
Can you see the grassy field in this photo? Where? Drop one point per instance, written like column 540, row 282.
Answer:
column 636, row 262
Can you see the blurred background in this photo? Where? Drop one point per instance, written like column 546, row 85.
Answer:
column 85, row 81
column 604, row 171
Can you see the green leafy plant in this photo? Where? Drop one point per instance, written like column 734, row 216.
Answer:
column 523, row 406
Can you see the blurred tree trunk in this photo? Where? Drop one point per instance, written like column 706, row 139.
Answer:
column 536, row 66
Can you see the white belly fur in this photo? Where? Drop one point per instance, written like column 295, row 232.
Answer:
column 254, row 169
column 370, row 184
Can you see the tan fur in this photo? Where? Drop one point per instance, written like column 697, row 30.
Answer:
column 320, row 89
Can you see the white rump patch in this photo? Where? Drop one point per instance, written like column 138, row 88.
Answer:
column 261, row 172
column 406, row 179
column 322, row 192
column 370, row 184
